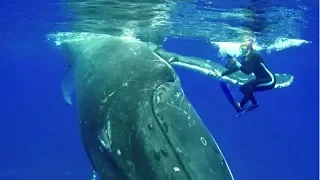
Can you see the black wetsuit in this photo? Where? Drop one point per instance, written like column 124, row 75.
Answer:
column 265, row 79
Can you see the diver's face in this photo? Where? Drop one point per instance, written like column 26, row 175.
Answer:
column 243, row 50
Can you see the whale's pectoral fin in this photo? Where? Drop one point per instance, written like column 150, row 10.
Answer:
column 153, row 47
column 68, row 83
column 283, row 80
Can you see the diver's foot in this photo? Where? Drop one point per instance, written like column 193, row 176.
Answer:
column 253, row 106
column 243, row 110
column 239, row 108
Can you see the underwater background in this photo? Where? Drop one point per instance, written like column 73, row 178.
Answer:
column 39, row 132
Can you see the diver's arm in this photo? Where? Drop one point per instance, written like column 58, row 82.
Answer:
column 247, row 68
column 234, row 69
column 229, row 71
column 250, row 65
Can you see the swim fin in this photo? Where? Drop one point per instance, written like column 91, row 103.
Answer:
column 250, row 108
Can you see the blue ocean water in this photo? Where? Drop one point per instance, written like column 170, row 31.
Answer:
column 39, row 132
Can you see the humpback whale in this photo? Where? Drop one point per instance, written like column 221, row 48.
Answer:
column 135, row 121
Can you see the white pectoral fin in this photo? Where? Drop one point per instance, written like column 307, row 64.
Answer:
column 283, row 80
column 68, row 83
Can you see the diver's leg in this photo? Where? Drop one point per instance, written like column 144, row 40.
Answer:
column 253, row 100
column 247, row 90
column 244, row 100
column 260, row 85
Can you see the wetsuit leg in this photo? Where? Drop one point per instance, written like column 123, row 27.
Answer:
column 254, row 86
column 246, row 98
column 247, row 90
column 261, row 87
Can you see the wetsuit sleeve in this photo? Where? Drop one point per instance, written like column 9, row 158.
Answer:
column 229, row 71
column 248, row 66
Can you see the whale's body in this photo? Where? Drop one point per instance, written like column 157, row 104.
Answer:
column 135, row 121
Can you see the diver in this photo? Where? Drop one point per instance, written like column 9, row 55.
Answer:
column 252, row 62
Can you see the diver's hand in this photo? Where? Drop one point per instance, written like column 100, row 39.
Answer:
column 215, row 73
column 236, row 62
